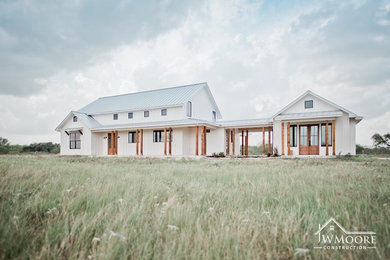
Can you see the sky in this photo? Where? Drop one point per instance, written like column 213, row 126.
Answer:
column 256, row 56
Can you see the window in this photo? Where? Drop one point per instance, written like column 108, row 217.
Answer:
column 131, row 138
column 146, row 113
column 308, row 103
column 164, row 112
column 130, row 115
column 158, row 136
column 214, row 116
column 314, row 135
column 323, row 134
column 75, row 119
column 115, row 116
column 74, row 140
column 189, row 109
column 293, row 136
column 303, row 135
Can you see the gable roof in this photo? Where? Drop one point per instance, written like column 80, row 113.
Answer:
column 308, row 92
column 320, row 228
column 158, row 98
column 89, row 121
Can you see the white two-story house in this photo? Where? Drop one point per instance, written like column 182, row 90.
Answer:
column 186, row 121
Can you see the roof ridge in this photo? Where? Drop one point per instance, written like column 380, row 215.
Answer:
column 151, row 90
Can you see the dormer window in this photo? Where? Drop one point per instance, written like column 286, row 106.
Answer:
column 75, row 119
column 115, row 116
column 146, row 113
column 164, row 112
column 308, row 103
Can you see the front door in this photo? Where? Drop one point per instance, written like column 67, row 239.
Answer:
column 112, row 143
column 308, row 140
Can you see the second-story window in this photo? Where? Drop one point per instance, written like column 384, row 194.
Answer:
column 115, row 116
column 130, row 115
column 164, row 112
column 75, row 119
column 189, row 109
column 308, row 103
column 214, row 116
column 146, row 113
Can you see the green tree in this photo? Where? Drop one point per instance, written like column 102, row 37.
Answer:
column 380, row 141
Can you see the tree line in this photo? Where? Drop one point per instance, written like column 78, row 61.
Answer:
column 7, row 148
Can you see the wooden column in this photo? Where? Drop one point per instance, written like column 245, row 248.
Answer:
column 165, row 141
column 246, row 143
column 334, row 137
column 269, row 140
column 263, row 143
column 288, row 139
column 136, row 142
column 233, row 141
column 202, row 140
column 142, row 142
column 197, row 140
column 227, row 141
column 282, row 138
column 242, row 143
column 170, row 141
column 326, row 138
column 205, row 141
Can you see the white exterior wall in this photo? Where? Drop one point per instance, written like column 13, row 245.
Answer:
column 201, row 106
column 173, row 113
column 318, row 106
column 85, row 139
column 215, row 141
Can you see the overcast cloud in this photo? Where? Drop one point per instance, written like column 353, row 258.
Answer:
column 257, row 57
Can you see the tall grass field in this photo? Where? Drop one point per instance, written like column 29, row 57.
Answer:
column 54, row 207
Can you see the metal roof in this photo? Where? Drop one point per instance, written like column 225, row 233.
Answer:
column 246, row 122
column 293, row 116
column 167, row 97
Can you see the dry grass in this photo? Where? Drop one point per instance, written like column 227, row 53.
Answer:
column 117, row 208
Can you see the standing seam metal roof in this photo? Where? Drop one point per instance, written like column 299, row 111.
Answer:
column 166, row 97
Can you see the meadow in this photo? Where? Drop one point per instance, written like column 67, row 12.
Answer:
column 54, row 207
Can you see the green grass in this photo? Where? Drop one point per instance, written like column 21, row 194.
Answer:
column 117, row 208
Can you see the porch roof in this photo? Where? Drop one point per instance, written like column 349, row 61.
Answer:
column 149, row 125
column 259, row 122
column 310, row 115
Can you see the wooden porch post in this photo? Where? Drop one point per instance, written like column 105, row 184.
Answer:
column 326, row 138
column 246, row 143
column 288, row 139
column 136, row 141
column 165, row 141
column 334, row 137
column 170, row 141
column 197, row 140
column 142, row 141
column 234, row 141
column 282, row 138
column 242, row 142
column 269, row 140
column 263, row 143
column 227, row 141
column 205, row 140
column 202, row 140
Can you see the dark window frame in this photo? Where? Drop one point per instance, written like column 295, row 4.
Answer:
column 189, row 109
column 164, row 112
column 330, row 132
column 130, row 115
column 214, row 115
column 114, row 116
column 293, row 135
column 146, row 113
column 74, row 118
column 131, row 137
column 158, row 136
column 74, row 140
column 309, row 104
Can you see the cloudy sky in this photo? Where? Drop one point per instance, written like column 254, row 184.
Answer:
column 257, row 56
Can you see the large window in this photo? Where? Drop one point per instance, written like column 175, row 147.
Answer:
column 130, row 115
column 303, row 135
column 323, row 135
column 308, row 103
column 74, row 140
column 189, row 109
column 131, row 138
column 314, row 135
column 158, row 136
column 293, row 136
